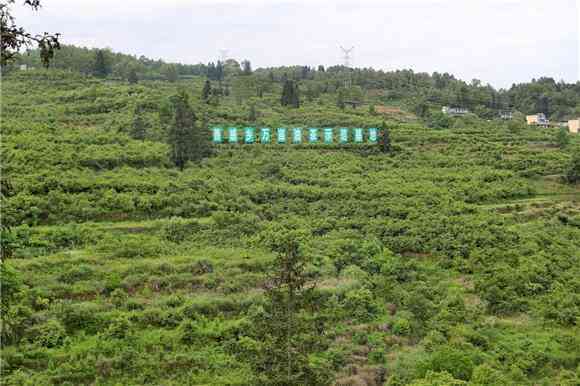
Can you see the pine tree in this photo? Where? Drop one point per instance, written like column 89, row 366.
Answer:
column 138, row 129
column 246, row 67
column 563, row 137
column 188, row 141
column 290, row 94
column 340, row 99
column 252, row 115
column 165, row 113
column 132, row 76
column 101, row 67
column 572, row 175
column 206, row 92
column 219, row 71
column 287, row 90
column 295, row 101
column 286, row 327
column 385, row 139
column 170, row 72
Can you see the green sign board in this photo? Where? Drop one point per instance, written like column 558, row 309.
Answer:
column 328, row 135
column 312, row 135
column 265, row 136
column 281, row 135
column 249, row 136
column 232, row 135
column 343, row 135
column 296, row 135
column 358, row 135
column 217, row 135
column 373, row 135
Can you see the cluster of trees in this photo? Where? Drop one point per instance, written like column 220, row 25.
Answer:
column 421, row 92
column 290, row 94
column 105, row 62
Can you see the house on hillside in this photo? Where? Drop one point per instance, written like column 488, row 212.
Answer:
column 454, row 110
column 574, row 125
column 538, row 119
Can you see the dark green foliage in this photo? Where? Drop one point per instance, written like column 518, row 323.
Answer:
column 206, row 92
column 440, row 120
column 385, row 137
column 101, row 66
column 563, row 137
column 132, row 77
column 246, row 67
column 290, row 94
column 340, row 96
column 188, row 140
column 170, row 73
column 252, row 114
column 283, row 326
column 573, row 170
column 138, row 127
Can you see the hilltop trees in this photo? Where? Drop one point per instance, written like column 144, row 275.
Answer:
column 246, row 67
column 170, row 73
column 290, row 94
column 132, row 76
column 101, row 67
column 188, row 140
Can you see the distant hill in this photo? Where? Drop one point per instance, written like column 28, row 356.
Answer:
column 418, row 92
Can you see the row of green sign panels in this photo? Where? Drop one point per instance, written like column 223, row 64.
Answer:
column 345, row 135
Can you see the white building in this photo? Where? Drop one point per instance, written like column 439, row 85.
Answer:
column 454, row 110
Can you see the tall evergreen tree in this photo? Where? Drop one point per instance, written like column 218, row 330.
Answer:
column 295, row 101
column 100, row 66
column 138, row 129
column 287, row 90
column 284, row 327
column 290, row 94
column 170, row 72
column 340, row 99
column 246, row 67
column 252, row 114
column 188, row 141
column 206, row 92
column 219, row 71
column 132, row 76
column 385, row 138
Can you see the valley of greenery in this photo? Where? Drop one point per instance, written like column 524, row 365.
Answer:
column 451, row 258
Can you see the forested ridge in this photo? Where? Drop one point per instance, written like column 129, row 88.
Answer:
column 417, row 92
column 447, row 254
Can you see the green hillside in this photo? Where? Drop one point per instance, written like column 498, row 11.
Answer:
column 454, row 259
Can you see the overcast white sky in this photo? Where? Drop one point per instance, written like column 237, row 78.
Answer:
column 496, row 41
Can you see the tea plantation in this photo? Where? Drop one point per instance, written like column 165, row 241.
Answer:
column 454, row 259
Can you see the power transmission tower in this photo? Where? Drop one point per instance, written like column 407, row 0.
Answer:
column 346, row 62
